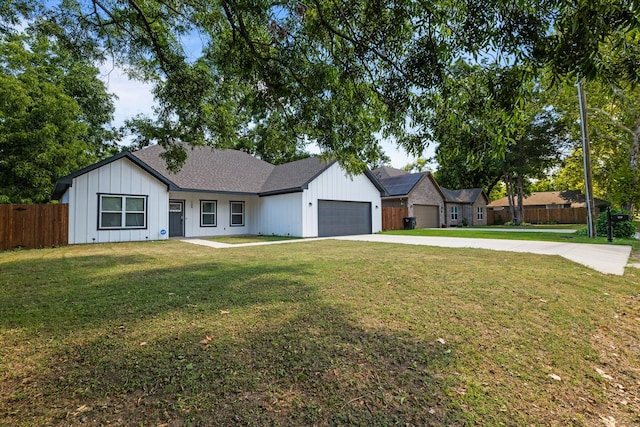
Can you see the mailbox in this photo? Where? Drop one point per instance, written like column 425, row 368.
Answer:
column 619, row 217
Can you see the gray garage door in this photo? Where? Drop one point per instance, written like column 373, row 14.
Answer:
column 343, row 218
column 426, row 216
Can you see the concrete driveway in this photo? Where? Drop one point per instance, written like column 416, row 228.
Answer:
column 607, row 259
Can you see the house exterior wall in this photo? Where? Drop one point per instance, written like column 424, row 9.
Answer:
column 280, row 215
column 121, row 177
column 394, row 202
column 192, row 223
column 480, row 203
column 461, row 214
column 426, row 193
column 335, row 184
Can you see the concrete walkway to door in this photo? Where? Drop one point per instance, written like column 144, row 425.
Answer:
column 607, row 259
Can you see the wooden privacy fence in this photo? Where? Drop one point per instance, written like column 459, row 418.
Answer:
column 392, row 218
column 541, row 216
column 33, row 226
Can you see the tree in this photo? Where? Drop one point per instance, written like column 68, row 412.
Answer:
column 467, row 118
column 614, row 131
column 52, row 115
column 477, row 114
column 334, row 73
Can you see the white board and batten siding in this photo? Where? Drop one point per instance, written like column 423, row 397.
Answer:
column 193, row 226
column 335, row 184
column 281, row 215
column 121, row 177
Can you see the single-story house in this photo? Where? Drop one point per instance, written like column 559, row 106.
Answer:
column 415, row 195
column 550, row 200
column 466, row 206
column 132, row 196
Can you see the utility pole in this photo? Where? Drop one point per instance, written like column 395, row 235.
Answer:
column 586, row 154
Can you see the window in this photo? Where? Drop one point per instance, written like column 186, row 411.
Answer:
column 208, row 213
column 454, row 213
column 122, row 212
column 237, row 214
column 480, row 213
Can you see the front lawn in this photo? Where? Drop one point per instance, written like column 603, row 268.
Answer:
column 313, row 333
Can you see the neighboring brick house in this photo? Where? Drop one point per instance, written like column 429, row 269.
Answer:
column 410, row 195
column 465, row 206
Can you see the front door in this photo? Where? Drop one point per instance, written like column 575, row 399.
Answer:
column 176, row 218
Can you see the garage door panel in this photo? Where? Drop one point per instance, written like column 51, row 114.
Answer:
column 426, row 216
column 340, row 218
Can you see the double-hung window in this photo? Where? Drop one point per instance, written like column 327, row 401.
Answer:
column 120, row 211
column 237, row 214
column 480, row 213
column 454, row 213
column 208, row 213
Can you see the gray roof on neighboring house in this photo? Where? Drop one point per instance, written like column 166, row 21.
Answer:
column 210, row 169
column 400, row 185
column 467, row 195
column 384, row 172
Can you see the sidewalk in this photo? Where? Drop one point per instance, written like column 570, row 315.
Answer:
column 607, row 259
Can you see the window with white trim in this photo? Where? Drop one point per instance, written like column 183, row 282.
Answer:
column 480, row 213
column 120, row 211
column 454, row 213
column 237, row 214
column 208, row 213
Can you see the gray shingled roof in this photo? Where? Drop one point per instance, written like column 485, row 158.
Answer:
column 221, row 171
column 384, row 172
column 401, row 185
column 210, row 169
column 467, row 195
column 294, row 175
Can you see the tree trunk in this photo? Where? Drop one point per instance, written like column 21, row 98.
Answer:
column 509, row 184
column 633, row 165
column 519, row 207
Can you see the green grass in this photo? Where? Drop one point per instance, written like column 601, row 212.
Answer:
column 313, row 333
column 234, row 240
column 536, row 226
column 489, row 233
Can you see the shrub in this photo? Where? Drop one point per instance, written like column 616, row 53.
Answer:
column 623, row 229
column 582, row 232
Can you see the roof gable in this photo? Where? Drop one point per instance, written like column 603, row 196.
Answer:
column 62, row 184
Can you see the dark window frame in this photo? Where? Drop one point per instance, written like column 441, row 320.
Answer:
column 231, row 213
column 123, row 211
column 214, row 213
